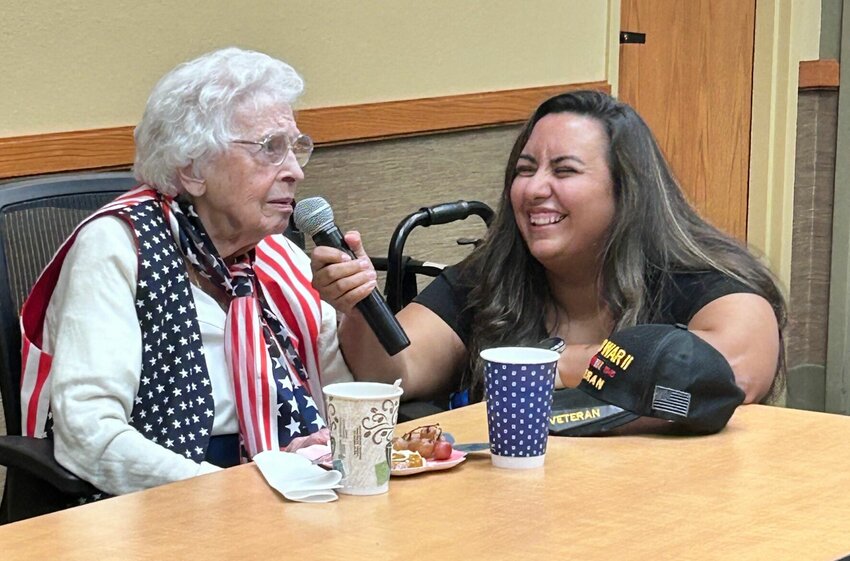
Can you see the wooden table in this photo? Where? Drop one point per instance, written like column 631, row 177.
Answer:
column 775, row 484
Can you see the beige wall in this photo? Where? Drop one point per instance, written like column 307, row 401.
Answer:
column 82, row 64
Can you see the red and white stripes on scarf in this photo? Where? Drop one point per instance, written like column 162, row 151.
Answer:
column 288, row 294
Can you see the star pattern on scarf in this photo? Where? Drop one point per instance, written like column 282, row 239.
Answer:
column 298, row 415
column 173, row 406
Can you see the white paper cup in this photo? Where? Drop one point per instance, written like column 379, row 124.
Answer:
column 361, row 419
column 518, row 385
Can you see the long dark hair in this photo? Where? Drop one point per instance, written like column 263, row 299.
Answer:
column 654, row 234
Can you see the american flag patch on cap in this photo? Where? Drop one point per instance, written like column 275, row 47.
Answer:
column 672, row 401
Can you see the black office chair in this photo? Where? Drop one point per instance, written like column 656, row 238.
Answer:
column 36, row 215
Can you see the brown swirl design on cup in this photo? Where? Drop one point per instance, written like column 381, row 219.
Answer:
column 333, row 420
column 380, row 423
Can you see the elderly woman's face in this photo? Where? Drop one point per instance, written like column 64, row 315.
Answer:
column 563, row 193
column 245, row 198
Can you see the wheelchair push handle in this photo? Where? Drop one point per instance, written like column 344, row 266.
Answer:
column 445, row 213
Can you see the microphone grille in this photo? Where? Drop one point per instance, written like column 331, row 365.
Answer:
column 312, row 215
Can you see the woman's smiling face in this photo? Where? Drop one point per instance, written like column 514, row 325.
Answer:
column 563, row 193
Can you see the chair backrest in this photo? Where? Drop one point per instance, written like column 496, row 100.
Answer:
column 36, row 215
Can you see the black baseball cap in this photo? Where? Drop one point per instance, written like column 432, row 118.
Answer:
column 652, row 370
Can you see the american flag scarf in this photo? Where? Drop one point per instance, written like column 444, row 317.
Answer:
column 272, row 416
column 267, row 371
column 35, row 363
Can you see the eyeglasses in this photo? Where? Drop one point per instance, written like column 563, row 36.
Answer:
column 275, row 148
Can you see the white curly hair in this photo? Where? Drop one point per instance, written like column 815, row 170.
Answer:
column 189, row 116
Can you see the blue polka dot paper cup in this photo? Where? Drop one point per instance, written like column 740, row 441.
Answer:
column 518, row 385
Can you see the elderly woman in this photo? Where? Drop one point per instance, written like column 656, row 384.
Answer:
column 593, row 234
column 180, row 328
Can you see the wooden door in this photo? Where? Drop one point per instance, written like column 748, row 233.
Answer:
column 692, row 83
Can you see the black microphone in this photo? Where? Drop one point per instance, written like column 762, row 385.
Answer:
column 314, row 217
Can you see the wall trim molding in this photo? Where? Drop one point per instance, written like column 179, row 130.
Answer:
column 113, row 147
column 819, row 74
column 63, row 151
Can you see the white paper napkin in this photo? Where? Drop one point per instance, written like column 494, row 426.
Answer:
column 296, row 478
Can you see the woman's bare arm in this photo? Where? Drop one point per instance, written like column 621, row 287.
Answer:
column 573, row 362
column 743, row 328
